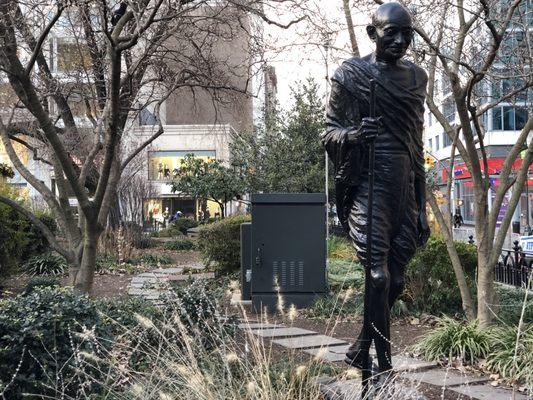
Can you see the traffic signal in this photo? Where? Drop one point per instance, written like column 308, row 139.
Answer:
column 429, row 161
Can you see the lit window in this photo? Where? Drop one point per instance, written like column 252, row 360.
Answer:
column 164, row 165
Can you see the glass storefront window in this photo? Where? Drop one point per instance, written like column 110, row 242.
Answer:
column 508, row 118
column 164, row 165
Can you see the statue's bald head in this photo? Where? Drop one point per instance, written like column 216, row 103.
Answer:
column 391, row 12
column 392, row 31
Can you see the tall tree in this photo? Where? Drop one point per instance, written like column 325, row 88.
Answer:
column 208, row 180
column 79, row 72
column 285, row 155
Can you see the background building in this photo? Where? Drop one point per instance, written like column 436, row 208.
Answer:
column 200, row 122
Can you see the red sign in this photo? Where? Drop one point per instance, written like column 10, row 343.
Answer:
column 495, row 166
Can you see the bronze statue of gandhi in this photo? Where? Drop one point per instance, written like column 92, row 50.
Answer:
column 398, row 224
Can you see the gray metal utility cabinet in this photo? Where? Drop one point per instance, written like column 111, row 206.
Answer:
column 288, row 249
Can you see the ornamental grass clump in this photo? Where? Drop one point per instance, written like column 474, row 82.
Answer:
column 511, row 354
column 238, row 367
column 455, row 340
column 45, row 264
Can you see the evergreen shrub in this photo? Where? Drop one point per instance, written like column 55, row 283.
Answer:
column 510, row 303
column 39, row 335
column 146, row 243
column 181, row 225
column 19, row 239
column 180, row 244
column 430, row 283
column 220, row 242
column 152, row 260
column 39, row 282
column 344, row 274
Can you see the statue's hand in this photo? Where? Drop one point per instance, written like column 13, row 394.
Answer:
column 367, row 132
column 423, row 228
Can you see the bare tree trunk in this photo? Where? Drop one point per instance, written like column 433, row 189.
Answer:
column 466, row 297
column 85, row 276
column 351, row 31
column 485, row 284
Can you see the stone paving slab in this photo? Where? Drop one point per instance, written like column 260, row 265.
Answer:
column 326, row 354
column 282, row 332
column 440, row 377
column 487, row 392
column 168, row 271
column 307, row 342
column 404, row 363
column 142, row 292
column 351, row 390
column 259, row 325
column 339, row 349
column 207, row 275
column 401, row 363
column 197, row 266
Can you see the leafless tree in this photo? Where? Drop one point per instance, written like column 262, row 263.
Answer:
column 73, row 108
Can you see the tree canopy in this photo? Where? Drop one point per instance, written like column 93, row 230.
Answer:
column 208, row 180
column 285, row 154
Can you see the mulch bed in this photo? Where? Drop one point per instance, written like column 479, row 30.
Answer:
column 105, row 285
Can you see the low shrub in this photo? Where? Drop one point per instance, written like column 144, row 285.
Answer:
column 333, row 306
column 152, row 259
column 181, row 225
column 118, row 314
column 511, row 355
column 344, row 274
column 146, row 243
column 37, row 243
column 39, row 282
column 182, row 244
column 105, row 262
column 455, row 339
column 510, row 303
column 19, row 238
column 197, row 306
column 45, row 264
column 430, row 283
column 13, row 234
column 6, row 171
column 220, row 242
column 39, row 334
column 340, row 248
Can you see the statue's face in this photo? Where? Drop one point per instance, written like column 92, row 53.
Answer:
column 392, row 31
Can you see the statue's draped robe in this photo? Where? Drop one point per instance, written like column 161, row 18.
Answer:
column 398, row 164
column 401, row 109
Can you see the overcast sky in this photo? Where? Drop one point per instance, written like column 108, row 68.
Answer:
column 303, row 55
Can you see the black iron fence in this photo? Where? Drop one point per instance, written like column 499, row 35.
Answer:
column 514, row 267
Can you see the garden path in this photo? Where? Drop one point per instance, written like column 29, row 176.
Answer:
column 151, row 285
column 330, row 349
